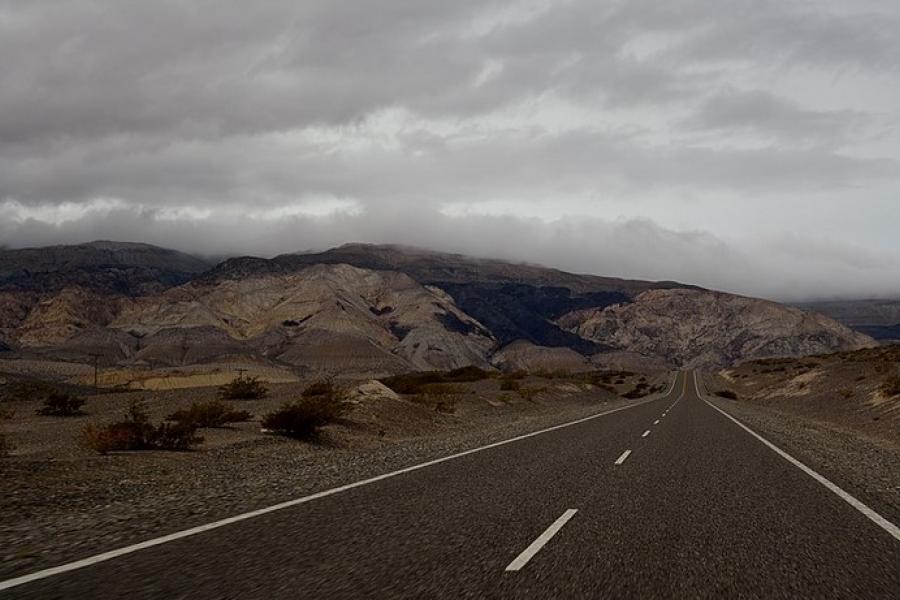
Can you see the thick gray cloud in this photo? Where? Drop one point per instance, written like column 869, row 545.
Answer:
column 749, row 145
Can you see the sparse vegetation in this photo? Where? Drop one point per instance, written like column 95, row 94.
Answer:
column 61, row 404
column 302, row 419
column 209, row 414
column 319, row 388
column 413, row 383
column 846, row 393
column 515, row 375
column 530, row 393
column 509, row 385
column 244, row 388
column 890, row 387
column 728, row 394
column 4, row 446
column 137, row 432
column 23, row 391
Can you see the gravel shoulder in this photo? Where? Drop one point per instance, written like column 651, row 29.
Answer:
column 62, row 503
column 866, row 467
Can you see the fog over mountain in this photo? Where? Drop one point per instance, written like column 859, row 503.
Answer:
column 747, row 146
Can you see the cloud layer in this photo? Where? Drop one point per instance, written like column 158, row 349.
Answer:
column 744, row 145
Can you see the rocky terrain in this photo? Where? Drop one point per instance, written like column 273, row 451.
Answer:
column 856, row 392
column 695, row 328
column 373, row 310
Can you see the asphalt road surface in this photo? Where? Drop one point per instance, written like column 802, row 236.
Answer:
column 665, row 499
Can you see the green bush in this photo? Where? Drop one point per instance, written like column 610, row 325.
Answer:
column 302, row 419
column 209, row 414
column 244, row 388
column 61, row 404
column 136, row 432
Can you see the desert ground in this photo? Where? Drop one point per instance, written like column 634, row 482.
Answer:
column 62, row 500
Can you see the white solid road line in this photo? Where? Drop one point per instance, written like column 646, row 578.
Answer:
column 646, row 433
column 535, row 547
column 832, row 487
column 105, row 556
column 622, row 458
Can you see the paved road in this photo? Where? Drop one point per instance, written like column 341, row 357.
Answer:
column 698, row 508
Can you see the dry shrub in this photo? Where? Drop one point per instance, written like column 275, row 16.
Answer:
column 5, row 446
column 302, row 419
column 209, row 414
column 319, row 388
column 136, row 432
column 61, row 404
column 413, row 383
column 509, row 385
column 890, row 387
column 515, row 375
column 244, row 388
column 727, row 394
column 530, row 393
column 23, row 391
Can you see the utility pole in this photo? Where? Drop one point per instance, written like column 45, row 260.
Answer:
column 96, row 369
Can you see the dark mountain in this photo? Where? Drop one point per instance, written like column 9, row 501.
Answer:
column 104, row 267
column 514, row 300
column 879, row 319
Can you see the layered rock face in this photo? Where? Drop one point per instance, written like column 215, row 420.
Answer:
column 335, row 312
column 692, row 328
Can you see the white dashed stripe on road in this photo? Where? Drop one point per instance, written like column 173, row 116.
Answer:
column 535, row 547
column 624, row 457
column 646, row 433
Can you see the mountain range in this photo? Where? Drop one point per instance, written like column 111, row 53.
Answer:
column 379, row 309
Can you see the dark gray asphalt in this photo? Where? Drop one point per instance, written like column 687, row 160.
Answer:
column 699, row 509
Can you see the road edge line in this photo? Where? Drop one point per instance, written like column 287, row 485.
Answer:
column 861, row 507
column 184, row 533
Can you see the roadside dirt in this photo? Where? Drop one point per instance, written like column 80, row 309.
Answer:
column 61, row 502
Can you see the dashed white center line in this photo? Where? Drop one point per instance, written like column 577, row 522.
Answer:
column 656, row 422
column 646, row 433
column 535, row 547
column 622, row 458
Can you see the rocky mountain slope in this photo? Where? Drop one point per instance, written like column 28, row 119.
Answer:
column 378, row 309
column 368, row 320
column 694, row 328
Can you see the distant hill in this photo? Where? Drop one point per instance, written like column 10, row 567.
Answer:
column 877, row 318
column 103, row 266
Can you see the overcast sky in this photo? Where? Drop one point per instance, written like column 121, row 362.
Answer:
column 745, row 145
